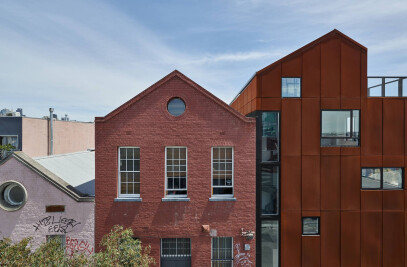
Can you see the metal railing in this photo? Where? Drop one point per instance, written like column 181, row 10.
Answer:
column 387, row 86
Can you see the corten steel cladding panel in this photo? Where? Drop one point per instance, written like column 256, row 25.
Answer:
column 393, row 129
column 350, row 71
column 311, row 129
column 371, row 200
column 291, row 238
column 311, row 251
column 291, row 127
column 271, row 82
column 372, row 128
column 393, row 239
column 330, row 68
column 330, row 103
column 405, row 129
column 363, row 74
column 311, row 183
column 350, row 238
column 393, row 200
column 371, row 239
column 330, row 239
column 350, row 183
column 311, row 73
column 330, row 182
column 292, row 67
column 270, row 104
column 290, row 183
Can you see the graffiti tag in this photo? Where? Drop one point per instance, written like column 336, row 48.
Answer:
column 56, row 225
column 242, row 259
column 74, row 245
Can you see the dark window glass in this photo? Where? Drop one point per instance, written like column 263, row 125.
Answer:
column 176, row 106
column 270, row 137
column 291, row 87
column 175, row 247
column 269, row 243
column 269, row 190
column 222, row 251
column 310, row 225
column 340, row 128
column 392, row 178
column 371, row 178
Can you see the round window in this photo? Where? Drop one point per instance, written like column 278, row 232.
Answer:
column 13, row 196
column 176, row 106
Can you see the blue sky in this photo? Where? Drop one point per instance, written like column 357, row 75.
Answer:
column 85, row 58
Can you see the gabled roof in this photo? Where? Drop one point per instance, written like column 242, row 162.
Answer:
column 330, row 35
column 158, row 84
column 48, row 175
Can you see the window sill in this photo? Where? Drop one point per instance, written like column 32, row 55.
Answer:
column 122, row 199
column 174, row 199
column 222, row 199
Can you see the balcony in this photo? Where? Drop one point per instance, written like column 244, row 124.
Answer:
column 386, row 86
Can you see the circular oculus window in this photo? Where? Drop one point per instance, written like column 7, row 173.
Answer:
column 13, row 196
column 176, row 106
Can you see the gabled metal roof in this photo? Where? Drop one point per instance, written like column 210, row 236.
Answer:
column 77, row 169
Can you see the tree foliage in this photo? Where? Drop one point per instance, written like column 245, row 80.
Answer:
column 120, row 249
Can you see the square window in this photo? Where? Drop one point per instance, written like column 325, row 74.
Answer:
column 60, row 239
column 129, row 172
column 222, row 171
column 371, row 178
column 310, row 225
column 291, row 87
column 340, row 128
column 392, row 178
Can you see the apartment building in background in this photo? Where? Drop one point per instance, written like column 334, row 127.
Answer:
column 331, row 156
column 177, row 165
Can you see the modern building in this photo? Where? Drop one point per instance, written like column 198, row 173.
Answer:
column 35, row 202
column 331, row 158
column 177, row 165
column 33, row 135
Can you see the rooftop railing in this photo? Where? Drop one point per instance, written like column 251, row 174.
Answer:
column 386, row 86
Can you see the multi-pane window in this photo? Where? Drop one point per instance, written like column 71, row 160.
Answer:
column 340, row 128
column 291, row 87
column 175, row 247
column 269, row 190
column 310, row 225
column 222, row 171
column 269, row 243
column 270, row 136
column 222, row 252
column 60, row 239
column 129, row 172
column 176, row 171
column 382, row 178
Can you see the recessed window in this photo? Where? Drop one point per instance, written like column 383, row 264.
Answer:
column 269, row 243
column 291, row 87
column 55, row 208
column 176, row 171
column 222, row 171
column 270, row 136
column 129, row 172
column 175, row 247
column 340, row 128
column 13, row 196
column 310, row 225
column 269, row 190
column 176, row 106
column 382, row 178
column 222, row 251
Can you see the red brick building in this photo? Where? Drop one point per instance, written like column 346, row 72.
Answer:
column 331, row 154
column 177, row 165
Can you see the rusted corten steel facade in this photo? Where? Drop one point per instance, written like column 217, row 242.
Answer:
column 357, row 227
column 145, row 123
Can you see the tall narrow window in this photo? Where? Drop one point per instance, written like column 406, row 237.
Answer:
column 340, row 128
column 270, row 136
column 222, row 171
column 291, row 87
column 176, row 171
column 269, row 190
column 129, row 172
column 269, row 243
column 222, row 252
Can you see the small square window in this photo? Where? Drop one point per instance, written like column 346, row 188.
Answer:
column 310, row 225
column 60, row 239
column 291, row 87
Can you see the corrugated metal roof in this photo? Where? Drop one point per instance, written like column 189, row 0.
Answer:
column 77, row 169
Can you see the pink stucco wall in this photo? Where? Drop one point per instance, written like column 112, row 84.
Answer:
column 69, row 136
column 26, row 221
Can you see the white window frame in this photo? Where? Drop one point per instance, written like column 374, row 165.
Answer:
column 231, row 260
column 186, row 174
column 233, row 175
column 11, row 135
column 119, row 194
column 62, row 238
column 176, row 248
